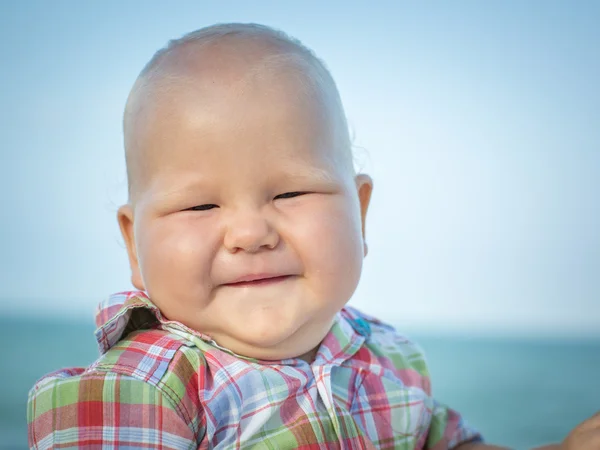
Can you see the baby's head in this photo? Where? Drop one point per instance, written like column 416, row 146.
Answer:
column 245, row 218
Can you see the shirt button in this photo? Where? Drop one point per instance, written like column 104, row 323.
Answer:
column 361, row 326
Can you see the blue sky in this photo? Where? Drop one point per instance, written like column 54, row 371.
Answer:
column 479, row 122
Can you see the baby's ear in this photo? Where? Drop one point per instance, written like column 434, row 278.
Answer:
column 364, row 186
column 125, row 219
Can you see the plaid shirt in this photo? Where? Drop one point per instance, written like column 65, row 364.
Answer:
column 161, row 385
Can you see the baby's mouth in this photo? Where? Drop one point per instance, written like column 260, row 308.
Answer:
column 258, row 280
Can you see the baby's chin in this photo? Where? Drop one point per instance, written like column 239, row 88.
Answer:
column 272, row 340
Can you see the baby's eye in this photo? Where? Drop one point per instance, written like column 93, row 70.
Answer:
column 290, row 195
column 202, row 207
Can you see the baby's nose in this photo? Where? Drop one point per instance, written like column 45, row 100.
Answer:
column 249, row 231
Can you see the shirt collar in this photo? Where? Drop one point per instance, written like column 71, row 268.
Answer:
column 124, row 312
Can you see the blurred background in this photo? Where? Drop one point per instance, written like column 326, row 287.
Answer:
column 479, row 122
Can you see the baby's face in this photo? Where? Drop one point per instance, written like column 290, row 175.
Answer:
column 247, row 225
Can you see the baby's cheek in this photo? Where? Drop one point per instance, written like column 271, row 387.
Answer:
column 174, row 254
column 336, row 249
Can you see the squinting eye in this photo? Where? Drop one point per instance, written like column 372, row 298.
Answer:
column 290, row 195
column 202, row 207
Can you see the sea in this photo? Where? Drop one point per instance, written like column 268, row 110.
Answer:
column 519, row 393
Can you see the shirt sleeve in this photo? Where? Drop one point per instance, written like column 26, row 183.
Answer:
column 104, row 410
column 448, row 430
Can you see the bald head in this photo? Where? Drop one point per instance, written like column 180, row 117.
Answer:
column 215, row 65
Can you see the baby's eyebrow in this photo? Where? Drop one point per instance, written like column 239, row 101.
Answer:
column 312, row 175
column 160, row 194
column 308, row 173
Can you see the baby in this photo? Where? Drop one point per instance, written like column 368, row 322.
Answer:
column 245, row 230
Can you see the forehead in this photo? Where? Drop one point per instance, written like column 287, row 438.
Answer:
column 274, row 121
column 234, row 80
column 273, row 111
column 266, row 103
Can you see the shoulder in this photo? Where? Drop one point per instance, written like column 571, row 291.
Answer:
column 150, row 355
column 395, row 360
column 89, row 409
column 160, row 358
column 147, row 370
column 386, row 349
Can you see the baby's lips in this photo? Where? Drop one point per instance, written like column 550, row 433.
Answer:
column 256, row 278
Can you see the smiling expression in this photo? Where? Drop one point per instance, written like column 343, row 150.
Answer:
column 247, row 224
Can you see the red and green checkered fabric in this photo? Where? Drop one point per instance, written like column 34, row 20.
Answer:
column 160, row 385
